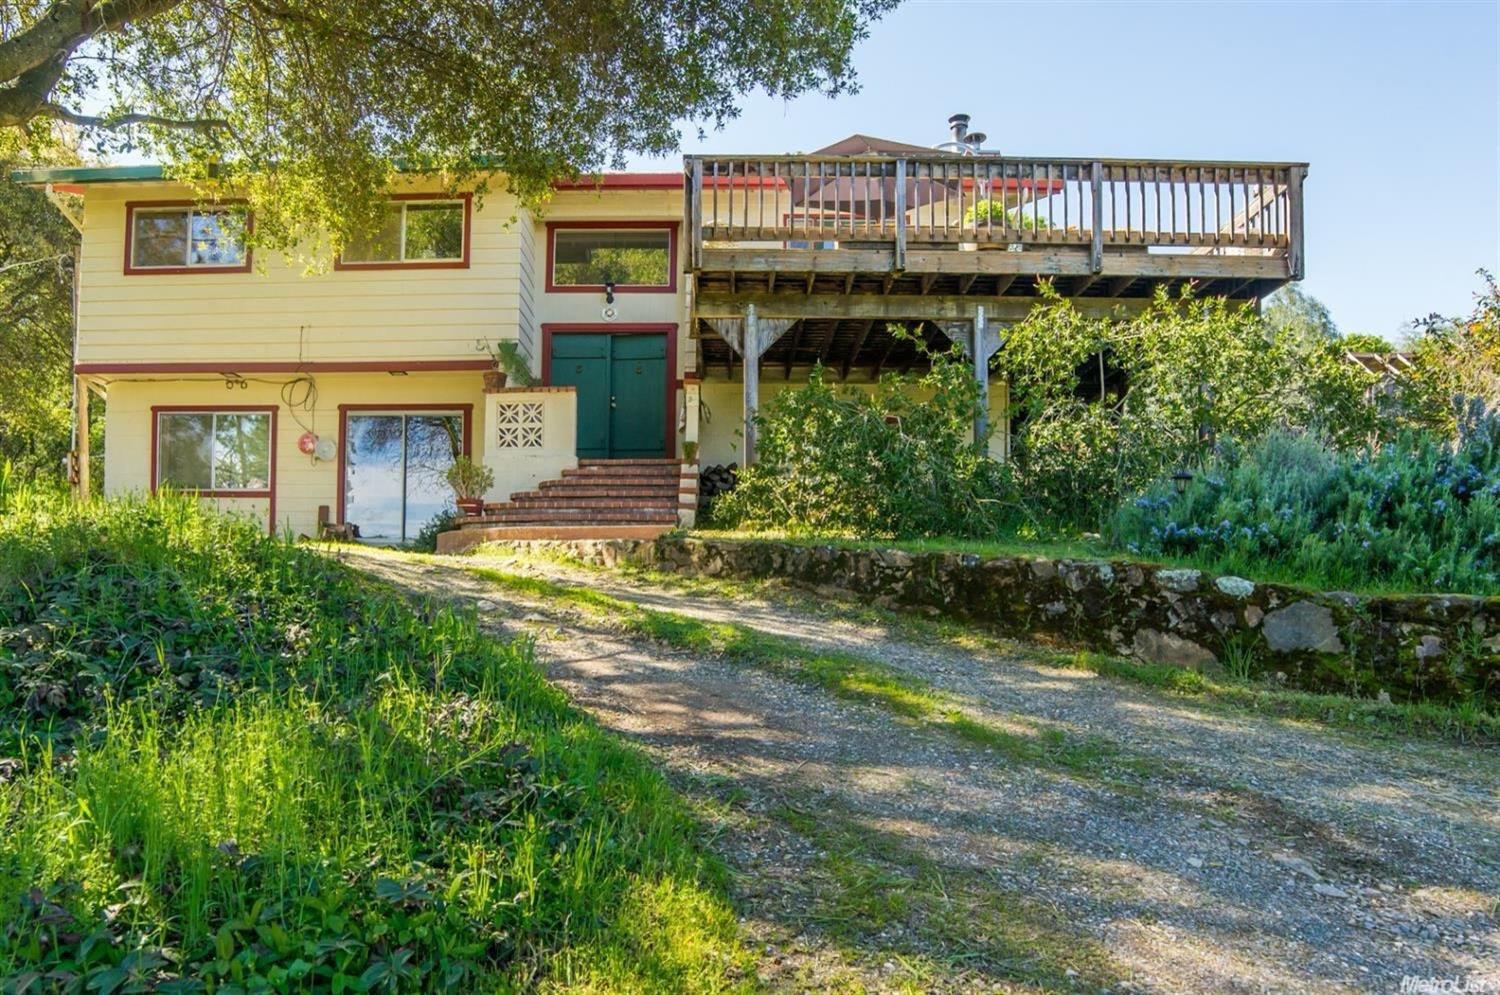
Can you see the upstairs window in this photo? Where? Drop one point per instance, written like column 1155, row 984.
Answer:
column 423, row 231
column 179, row 238
column 633, row 257
column 216, row 452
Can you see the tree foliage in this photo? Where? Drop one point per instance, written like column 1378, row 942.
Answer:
column 308, row 106
column 1299, row 317
column 1455, row 360
column 1198, row 371
column 1365, row 342
column 36, row 334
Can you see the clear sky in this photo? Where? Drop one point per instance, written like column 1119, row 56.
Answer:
column 1395, row 105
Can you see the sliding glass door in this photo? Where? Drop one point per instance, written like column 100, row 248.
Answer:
column 394, row 467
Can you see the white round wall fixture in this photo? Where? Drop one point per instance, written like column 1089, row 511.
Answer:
column 609, row 313
column 324, row 450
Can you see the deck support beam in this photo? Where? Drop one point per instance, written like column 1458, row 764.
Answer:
column 750, row 337
column 712, row 305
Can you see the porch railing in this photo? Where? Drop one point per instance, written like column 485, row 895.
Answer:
column 1227, row 208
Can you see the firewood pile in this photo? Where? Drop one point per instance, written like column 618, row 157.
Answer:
column 716, row 480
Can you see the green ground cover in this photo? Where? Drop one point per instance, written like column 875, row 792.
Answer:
column 228, row 764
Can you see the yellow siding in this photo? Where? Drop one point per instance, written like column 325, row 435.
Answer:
column 721, row 427
column 617, row 205
column 587, row 309
column 301, row 483
column 278, row 313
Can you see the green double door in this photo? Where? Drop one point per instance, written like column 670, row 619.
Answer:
column 622, row 392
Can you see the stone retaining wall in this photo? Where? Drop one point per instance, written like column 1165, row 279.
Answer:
column 1435, row 647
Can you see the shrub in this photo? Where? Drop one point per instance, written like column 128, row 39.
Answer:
column 898, row 461
column 231, row 764
column 469, row 479
column 425, row 540
column 1416, row 514
column 1198, row 371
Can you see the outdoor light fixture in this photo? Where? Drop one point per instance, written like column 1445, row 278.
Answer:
column 1180, row 480
column 609, row 291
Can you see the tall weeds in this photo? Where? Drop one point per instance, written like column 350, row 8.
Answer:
column 228, row 764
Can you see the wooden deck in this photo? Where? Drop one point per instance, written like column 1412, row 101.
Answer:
column 798, row 260
column 782, row 231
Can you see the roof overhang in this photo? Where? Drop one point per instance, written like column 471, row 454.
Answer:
column 73, row 179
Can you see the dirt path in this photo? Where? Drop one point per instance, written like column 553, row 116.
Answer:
column 1231, row 853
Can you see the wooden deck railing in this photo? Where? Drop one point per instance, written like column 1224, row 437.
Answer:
column 1230, row 208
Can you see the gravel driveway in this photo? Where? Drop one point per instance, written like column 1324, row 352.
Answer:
column 1233, row 853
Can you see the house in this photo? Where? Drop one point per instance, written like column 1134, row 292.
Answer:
column 655, row 310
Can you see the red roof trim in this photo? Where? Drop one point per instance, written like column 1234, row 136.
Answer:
column 623, row 181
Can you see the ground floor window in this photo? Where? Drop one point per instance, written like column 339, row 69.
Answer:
column 395, row 466
column 221, row 452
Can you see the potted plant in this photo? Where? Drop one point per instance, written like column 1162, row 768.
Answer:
column 469, row 481
column 508, row 364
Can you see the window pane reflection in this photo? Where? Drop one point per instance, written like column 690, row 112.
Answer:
column 395, row 467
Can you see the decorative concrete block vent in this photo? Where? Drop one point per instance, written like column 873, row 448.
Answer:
column 518, row 424
column 1412, row 647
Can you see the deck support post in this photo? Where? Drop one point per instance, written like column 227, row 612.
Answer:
column 750, row 337
column 750, row 381
column 979, row 342
column 692, row 397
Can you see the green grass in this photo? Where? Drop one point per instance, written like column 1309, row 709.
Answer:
column 234, row 765
column 846, row 675
column 1465, row 723
column 1261, row 571
column 872, row 891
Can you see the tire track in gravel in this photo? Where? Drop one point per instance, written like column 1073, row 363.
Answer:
column 1291, row 860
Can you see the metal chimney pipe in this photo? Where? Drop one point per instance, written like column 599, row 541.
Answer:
column 959, row 125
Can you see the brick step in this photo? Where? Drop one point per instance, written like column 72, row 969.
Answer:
column 654, row 485
column 622, row 473
column 610, row 480
column 628, row 462
column 555, row 494
column 588, row 488
column 577, row 516
column 669, row 501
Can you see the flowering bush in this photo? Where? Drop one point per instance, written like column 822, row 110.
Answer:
column 1417, row 513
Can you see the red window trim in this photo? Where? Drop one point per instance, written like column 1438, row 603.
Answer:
column 397, row 408
column 461, row 263
column 208, row 409
column 550, row 329
column 670, row 227
column 133, row 270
